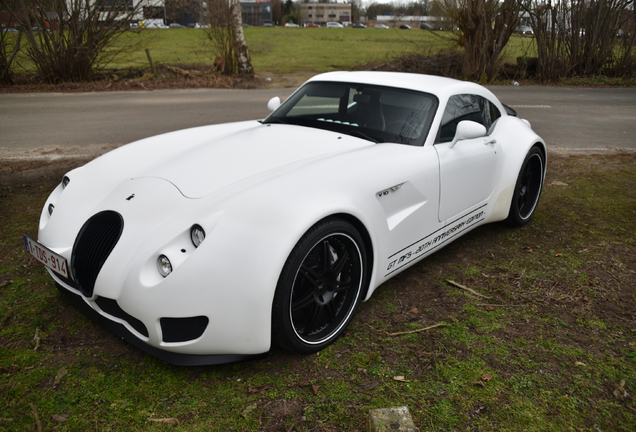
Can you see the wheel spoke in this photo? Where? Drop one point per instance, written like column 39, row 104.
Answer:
column 313, row 317
column 303, row 303
column 342, row 260
column 309, row 274
column 326, row 256
column 343, row 286
column 330, row 309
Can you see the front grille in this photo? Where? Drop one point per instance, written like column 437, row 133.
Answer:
column 183, row 329
column 111, row 307
column 93, row 245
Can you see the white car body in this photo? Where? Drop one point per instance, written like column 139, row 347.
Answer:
column 256, row 189
column 334, row 25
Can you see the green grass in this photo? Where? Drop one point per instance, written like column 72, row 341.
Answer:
column 283, row 50
column 278, row 50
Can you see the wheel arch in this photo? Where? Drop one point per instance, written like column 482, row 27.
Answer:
column 515, row 156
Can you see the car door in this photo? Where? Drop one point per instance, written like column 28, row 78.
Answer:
column 469, row 169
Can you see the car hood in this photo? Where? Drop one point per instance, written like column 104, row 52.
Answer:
column 212, row 158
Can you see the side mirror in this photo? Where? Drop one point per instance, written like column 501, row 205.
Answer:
column 468, row 129
column 273, row 103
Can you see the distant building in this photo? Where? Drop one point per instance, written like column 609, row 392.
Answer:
column 321, row 13
column 256, row 13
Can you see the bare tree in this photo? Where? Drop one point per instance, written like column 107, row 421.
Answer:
column 277, row 11
column 582, row 37
column 227, row 37
column 9, row 45
column 68, row 38
column 482, row 28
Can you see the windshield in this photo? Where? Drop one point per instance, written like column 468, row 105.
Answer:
column 375, row 113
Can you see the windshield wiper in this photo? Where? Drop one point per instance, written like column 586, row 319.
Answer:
column 278, row 120
column 362, row 135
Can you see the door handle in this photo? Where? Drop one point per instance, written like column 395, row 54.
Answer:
column 492, row 141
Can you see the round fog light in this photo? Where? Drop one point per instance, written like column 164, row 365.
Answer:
column 197, row 235
column 164, row 266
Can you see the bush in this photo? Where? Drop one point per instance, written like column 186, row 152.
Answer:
column 67, row 38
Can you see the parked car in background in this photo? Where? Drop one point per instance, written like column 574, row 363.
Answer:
column 176, row 25
column 312, row 25
column 334, row 25
column 358, row 25
column 269, row 25
column 291, row 24
column 524, row 30
column 406, row 27
column 381, row 26
column 426, row 26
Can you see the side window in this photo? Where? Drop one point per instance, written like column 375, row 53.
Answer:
column 465, row 107
column 490, row 112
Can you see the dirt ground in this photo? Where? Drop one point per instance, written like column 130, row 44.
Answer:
column 173, row 78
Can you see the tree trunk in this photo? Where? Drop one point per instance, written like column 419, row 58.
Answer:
column 240, row 46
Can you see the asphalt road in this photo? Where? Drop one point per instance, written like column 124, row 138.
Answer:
column 32, row 125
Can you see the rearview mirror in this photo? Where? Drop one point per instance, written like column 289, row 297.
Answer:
column 273, row 103
column 468, row 129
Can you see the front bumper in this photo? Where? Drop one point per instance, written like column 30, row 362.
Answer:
column 177, row 359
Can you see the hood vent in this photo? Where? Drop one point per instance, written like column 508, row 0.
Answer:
column 93, row 245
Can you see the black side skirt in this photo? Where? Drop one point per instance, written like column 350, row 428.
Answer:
column 177, row 359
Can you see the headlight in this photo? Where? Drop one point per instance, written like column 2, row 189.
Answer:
column 164, row 266
column 197, row 235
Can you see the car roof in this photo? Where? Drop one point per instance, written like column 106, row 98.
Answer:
column 442, row 87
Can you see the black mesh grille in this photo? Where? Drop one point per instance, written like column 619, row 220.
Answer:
column 111, row 307
column 183, row 329
column 93, row 244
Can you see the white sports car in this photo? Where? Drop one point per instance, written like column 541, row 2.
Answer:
column 207, row 245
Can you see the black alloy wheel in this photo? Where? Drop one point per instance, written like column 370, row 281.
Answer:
column 528, row 188
column 320, row 287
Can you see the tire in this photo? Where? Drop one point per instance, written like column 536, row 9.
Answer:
column 320, row 287
column 527, row 189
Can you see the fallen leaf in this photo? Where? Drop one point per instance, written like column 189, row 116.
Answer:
column 490, row 308
column 164, row 420
column 486, row 377
column 558, row 183
column 479, row 383
column 578, row 363
column 59, row 418
column 259, row 389
column 558, row 255
column 315, row 389
column 415, row 311
column 400, row 378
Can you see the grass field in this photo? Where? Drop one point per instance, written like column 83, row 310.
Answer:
column 284, row 50
column 548, row 343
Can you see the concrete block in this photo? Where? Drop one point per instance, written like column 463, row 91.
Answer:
column 390, row 420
